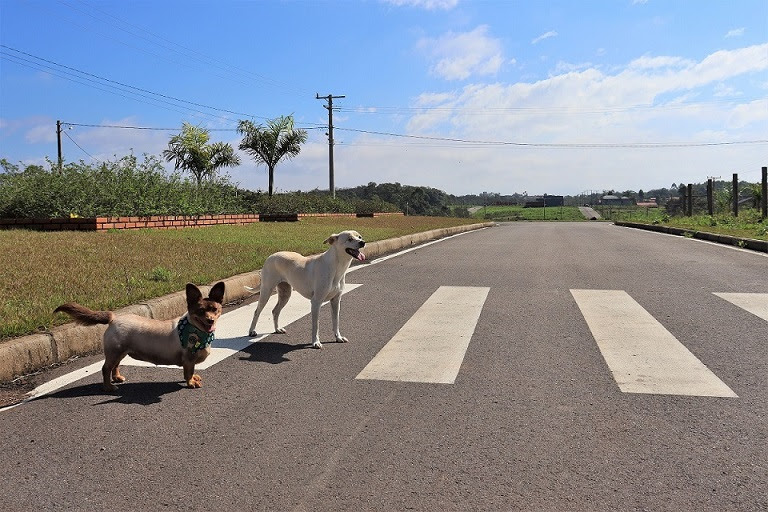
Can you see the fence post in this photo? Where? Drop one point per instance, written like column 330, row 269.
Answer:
column 710, row 197
column 689, row 200
column 735, row 194
column 764, row 195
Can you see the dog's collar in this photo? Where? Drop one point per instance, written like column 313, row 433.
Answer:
column 193, row 338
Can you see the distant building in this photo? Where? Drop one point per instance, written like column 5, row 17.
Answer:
column 545, row 200
column 612, row 200
column 650, row 203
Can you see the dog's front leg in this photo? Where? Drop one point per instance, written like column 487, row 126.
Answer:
column 316, row 303
column 193, row 380
column 335, row 308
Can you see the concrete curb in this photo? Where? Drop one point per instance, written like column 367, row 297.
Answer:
column 746, row 243
column 27, row 354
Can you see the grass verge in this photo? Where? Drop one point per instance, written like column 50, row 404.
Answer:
column 513, row 213
column 41, row 270
column 747, row 225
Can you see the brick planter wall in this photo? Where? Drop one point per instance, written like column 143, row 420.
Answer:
column 153, row 222
column 106, row 223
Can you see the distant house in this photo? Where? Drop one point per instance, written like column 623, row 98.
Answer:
column 650, row 203
column 545, row 200
column 612, row 200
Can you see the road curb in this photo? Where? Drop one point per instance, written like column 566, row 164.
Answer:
column 27, row 354
column 746, row 243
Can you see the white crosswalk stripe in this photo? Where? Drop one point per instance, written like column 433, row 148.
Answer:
column 755, row 303
column 430, row 347
column 643, row 356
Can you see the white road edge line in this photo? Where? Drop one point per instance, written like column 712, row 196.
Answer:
column 54, row 385
column 404, row 251
column 230, row 339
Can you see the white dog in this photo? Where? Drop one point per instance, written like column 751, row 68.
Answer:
column 319, row 278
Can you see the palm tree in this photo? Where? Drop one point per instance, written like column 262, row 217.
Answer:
column 268, row 145
column 191, row 152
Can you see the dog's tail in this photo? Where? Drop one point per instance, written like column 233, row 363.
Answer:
column 85, row 316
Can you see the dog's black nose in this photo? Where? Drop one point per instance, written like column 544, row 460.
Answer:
column 362, row 243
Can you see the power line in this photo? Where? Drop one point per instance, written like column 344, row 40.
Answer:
column 191, row 56
column 153, row 128
column 455, row 142
column 560, row 145
column 550, row 110
column 81, row 149
column 130, row 87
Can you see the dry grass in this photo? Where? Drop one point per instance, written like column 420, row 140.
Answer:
column 40, row 270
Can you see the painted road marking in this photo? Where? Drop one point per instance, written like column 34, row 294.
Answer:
column 228, row 341
column 755, row 303
column 643, row 356
column 233, row 327
column 430, row 347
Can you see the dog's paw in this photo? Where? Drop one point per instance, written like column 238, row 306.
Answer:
column 253, row 334
column 317, row 344
column 109, row 388
column 280, row 330
column 341, row 339
column 195, row 382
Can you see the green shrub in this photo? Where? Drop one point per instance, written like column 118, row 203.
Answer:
column 130, row 186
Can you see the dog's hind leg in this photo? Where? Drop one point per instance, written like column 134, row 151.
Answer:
column 283, row 294
column 110, row 372
column 263, row 298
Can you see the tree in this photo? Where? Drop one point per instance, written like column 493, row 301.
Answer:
column 191, row 152
column 755, row 191
column 268, row 145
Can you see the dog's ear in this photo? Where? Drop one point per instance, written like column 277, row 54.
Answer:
column 217, row 293
column 331, row 239
column 193, row 294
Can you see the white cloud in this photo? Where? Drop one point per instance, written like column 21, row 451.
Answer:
column 736, row 32
column 544, row 36
column 651, row 99
column 659, row 62
column 458, row 56
column 425, row 4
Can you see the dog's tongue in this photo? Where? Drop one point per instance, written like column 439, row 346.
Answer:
column 360, row 256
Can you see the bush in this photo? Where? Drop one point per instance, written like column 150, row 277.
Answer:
column 133, row 187
column 124, row 187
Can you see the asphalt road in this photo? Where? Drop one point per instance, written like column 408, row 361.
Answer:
column 533, row 420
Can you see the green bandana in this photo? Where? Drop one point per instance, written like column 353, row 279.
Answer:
column 193, row 337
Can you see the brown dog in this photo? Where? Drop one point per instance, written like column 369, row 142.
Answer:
column 184, row 341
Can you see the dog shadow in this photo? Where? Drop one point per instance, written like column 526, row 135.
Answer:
column 129, row 393
column 271, row 352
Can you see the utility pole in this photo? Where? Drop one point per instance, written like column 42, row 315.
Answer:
column 329, row 106
column 764, row 193
column 58, row 140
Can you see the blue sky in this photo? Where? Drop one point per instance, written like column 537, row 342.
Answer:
column 466, row 96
